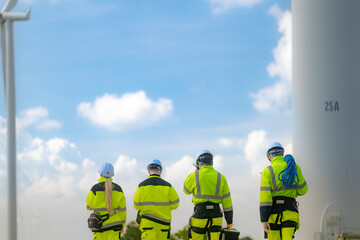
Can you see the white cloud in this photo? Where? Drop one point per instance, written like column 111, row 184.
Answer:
column 89, row 174
column 219, row 6
column 35, row 151
column 52, row 158
column 125, row 164
column 226, row 142
column 230, row 142
column 33, row 115
column 177, row 172
column 54, row 169
column 39, row 118
column 278, row 96
column 129, row 110
column 45, row 186
column 48, row 124
column 255, row 149
column 88, row 164
column 218, row 162
column 53, row 147
column 65, row 166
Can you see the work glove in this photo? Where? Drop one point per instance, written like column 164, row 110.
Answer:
column 229, row 226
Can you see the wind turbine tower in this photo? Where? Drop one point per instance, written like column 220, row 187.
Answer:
column 7, row 19
column 326, row 85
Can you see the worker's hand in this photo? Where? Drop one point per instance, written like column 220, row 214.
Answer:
column 122, row 230
column 266, row 226
column 229, row 226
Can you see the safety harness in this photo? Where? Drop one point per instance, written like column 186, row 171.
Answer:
column 95, row 223
column 280, row 204
column 207, row 210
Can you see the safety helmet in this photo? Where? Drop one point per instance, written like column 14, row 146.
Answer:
column 106, row 170
column 204, row 157
column 275, row 148
column 154, row 164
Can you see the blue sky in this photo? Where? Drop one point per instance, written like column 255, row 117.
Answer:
column 129, row 81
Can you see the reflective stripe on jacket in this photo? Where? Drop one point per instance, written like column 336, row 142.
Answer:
column 155, row 198
column 271, row 186
column 208, row 185
column 95, row 201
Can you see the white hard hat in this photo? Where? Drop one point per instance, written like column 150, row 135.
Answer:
column 201, row 152
column 274, row 147
column 204, row 157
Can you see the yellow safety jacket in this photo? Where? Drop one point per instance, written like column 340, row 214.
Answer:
column 271, row 187
column 95, row 201
column 208, row 185
column 155, row 198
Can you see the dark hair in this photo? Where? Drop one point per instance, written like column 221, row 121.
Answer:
column 154, row 166
column 205, row 159
column 276, row 151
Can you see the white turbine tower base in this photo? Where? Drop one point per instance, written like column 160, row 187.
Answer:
column 7, row 48
column 326, row 57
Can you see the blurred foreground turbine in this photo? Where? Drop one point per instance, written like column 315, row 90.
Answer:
column 7, row 49
column 326, row 58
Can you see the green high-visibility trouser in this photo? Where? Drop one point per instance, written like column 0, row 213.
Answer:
column 201, row 229
column 151, row 230
column 107, row 235
column 283, row 225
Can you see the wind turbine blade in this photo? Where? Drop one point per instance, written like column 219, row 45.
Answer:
column 3, row 53
column 10, row 4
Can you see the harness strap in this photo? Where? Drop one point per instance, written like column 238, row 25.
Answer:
column 156, row 220
column 207, row 207
column 279, row 227
column 206, row 210
column 115, row 228
column 209, row 223
column 208, row 229
column 281, row 204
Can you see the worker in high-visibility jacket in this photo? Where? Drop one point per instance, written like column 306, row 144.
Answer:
column 154, row 199
column 107, row 199
column 281, row 183
column 209, row 188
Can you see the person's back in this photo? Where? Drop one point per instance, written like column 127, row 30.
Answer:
column 107, row 199
column 154, row 199
column 209, row 189
column 208, row 185
column 278, row 165
column 281, row 183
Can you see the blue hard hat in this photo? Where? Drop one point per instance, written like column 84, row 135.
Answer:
column 154, row 164
column 106, row 170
